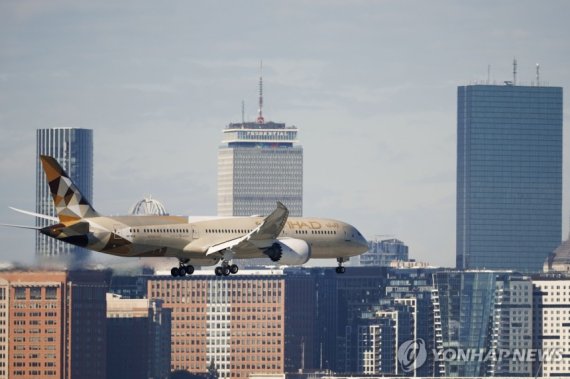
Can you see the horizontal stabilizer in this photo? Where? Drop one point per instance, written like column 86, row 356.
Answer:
column 22, row 226
column 51, row 218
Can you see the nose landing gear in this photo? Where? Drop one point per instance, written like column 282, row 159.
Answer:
column 340, row 269
column 183, row 268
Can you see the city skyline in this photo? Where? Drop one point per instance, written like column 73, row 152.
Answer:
column 378, row 79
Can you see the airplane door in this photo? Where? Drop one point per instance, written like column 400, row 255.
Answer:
column 195, row 233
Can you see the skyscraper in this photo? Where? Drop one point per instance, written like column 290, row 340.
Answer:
column 53, row 324
column 73, row 149
column 509, row 176
column 259, row 163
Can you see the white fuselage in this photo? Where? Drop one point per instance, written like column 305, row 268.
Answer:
column 190, row 237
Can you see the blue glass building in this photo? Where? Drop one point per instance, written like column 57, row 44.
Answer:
column 509, row 176
column 466, row 303
column 73, row 149
column 484, row 311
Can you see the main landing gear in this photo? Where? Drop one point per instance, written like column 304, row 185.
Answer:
column 183, row 268
column 226, row 269
column 340, row 269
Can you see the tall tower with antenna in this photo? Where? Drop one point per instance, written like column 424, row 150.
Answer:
column 514, row 71
column 260, row 119
column 259, row 163
column 509, row 175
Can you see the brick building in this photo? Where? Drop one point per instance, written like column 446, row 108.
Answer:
column 238, row 322
column 52, row 324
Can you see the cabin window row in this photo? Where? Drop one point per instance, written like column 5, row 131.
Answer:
column 242, row 231
column 159, row 230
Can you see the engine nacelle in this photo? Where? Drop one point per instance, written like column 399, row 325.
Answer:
column 289, row 252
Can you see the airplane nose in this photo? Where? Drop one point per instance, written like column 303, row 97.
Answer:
column 363, row 243
column 360, row 241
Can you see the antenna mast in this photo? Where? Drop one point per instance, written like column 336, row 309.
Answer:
column 242, row 113
column 538, row 75
column 488, row 74
column 260, row 119
column 515, row 71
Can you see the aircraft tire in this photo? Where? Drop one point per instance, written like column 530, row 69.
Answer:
column 174, row 271
column 234, row 269
column 226, row 271
column 182, row 271
column 190, row 269
column 218, row 271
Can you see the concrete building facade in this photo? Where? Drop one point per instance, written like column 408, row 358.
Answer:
column 552, row 324
column 258, row 165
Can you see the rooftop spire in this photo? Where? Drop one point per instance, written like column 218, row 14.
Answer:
column 515, row 71
column 260, row 119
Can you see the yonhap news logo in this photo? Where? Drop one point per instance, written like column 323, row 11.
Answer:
column 412, row 354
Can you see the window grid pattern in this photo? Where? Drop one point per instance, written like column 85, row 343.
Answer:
column 73, row 149
column 509, row 176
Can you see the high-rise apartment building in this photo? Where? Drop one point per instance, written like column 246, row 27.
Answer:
column 552, row 325
column 52, row 324
column 238, row 322
column 466, row 305
column 138, row 330
column 347, row 323
column 384, row 253
column 73, row 149
column 377, row 342
column 512, row 328
column 484, row 311
column 259, row 163
column 509, row 176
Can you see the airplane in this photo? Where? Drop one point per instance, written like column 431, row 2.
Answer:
column 202, row 241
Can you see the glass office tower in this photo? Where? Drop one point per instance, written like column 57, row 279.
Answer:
column 509, row 176
column 73, row 149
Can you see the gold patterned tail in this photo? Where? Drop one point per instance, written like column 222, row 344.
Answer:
column 70, row 204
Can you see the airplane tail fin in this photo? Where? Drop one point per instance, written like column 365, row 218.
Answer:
column 69, row 203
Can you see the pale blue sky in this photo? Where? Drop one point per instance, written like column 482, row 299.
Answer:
column 370, row 84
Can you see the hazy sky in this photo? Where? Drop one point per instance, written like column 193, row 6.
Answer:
column 370, row 84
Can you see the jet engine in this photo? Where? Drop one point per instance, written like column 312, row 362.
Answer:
column 289, row 252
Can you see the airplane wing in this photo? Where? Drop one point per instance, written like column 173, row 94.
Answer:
column 260, row 237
